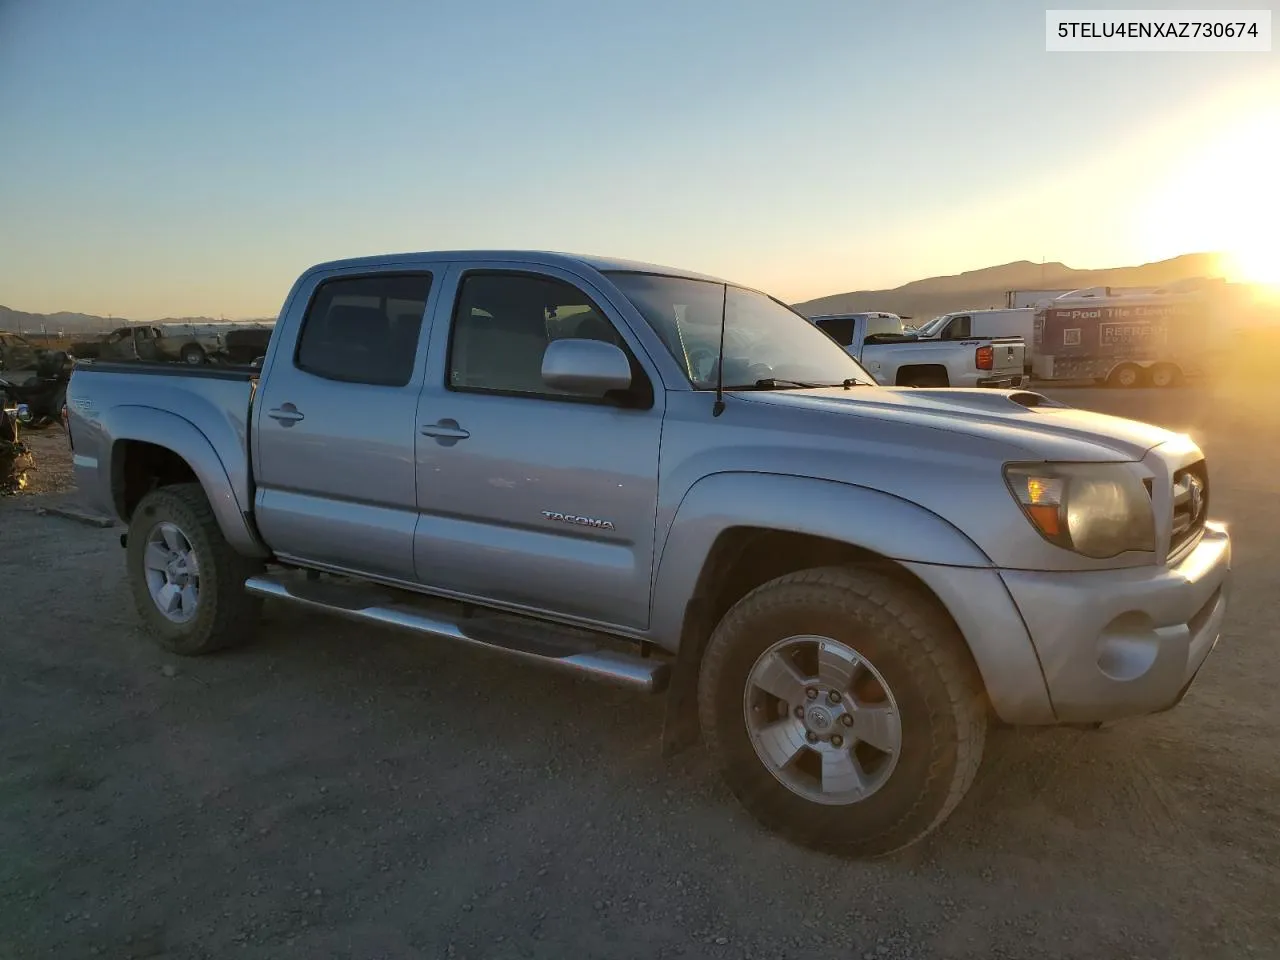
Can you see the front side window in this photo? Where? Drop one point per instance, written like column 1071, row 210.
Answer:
column 959, row 329
column 763, row 340
column 364, row 329
column 839, row 329
column 502, row 324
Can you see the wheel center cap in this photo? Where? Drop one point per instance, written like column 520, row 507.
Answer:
column 819, row 719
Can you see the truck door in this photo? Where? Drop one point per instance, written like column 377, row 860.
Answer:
column 334, row 425
column 144, row 343
column 528, row 497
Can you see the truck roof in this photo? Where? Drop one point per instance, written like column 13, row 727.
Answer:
column 544, row 257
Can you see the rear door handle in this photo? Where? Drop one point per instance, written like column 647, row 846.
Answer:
column 286, row 414
column 446, row 432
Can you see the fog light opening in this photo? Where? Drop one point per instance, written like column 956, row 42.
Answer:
column 1128, row 646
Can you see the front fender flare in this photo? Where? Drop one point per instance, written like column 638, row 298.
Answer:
column 870, row 519
column 168, row 430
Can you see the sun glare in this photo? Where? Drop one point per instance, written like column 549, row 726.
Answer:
column 1224, row 196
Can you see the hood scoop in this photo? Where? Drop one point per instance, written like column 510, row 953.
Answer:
column 1030, row 399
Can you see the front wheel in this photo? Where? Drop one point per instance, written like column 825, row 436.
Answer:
column 187, row 581
column 843, row 709
column 1126, row 376
column 192, row 354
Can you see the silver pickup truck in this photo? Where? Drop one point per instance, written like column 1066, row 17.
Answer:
column 881, row 343
column 677, row 484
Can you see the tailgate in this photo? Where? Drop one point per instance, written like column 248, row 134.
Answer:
column 1007, row 357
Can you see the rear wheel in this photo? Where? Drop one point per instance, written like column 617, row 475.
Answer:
column 924, row 378
column 843, row 710
column 187, row 581
column 1126, row 376
column 192, row 354
column 1165, row 375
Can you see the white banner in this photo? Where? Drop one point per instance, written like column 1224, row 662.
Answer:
column 1151, row 31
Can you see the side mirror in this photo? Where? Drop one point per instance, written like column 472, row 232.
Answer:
column 589, row 368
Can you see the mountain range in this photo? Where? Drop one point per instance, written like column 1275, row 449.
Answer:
column 920, row 299
column 76, row 324
column 978, row 289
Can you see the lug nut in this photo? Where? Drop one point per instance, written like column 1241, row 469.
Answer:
column 811, row 693
column 811, row 737
column 837, row 741
column 799, row 713
column 833, row 697
column 847, row 720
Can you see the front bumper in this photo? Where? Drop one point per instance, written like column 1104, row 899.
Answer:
column 1122, row 643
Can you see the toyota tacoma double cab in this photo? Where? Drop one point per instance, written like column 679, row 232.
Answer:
column 675, row 483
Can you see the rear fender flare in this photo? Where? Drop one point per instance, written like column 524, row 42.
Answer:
column 168, row 430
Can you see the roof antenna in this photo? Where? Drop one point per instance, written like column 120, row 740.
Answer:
column 718, row 407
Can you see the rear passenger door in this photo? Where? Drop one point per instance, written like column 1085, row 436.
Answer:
column 334, row 426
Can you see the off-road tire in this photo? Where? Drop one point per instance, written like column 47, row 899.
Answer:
column 225, row 614
column 913, row 643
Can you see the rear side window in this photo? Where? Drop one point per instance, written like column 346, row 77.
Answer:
column 364, row 329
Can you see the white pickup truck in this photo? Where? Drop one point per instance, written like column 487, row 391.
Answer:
column 881, row 343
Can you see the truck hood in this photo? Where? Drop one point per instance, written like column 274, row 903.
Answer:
column 1041, row 427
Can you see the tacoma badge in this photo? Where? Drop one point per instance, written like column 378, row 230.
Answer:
column 580, row 521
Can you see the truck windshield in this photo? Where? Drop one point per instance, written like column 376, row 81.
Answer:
column 765, row 343
column 933, row 326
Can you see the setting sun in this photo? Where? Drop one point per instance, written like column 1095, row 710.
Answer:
column 1223, row 196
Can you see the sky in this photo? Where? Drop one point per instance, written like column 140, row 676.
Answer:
column 163, row 158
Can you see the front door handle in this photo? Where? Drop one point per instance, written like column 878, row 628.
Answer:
column 446, row 432
column 287, row 414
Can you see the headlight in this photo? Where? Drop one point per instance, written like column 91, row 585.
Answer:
column 1095, row 509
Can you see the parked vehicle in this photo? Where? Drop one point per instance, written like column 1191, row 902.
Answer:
column 193, row 344
column 898, row 357
column 244, row 345
column 38, row 400
column 17, row 352
column 1124, row 341
column 670, row 482
column 965, row 324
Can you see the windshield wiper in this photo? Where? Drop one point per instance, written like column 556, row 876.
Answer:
column 781, row 383
column 774, row 383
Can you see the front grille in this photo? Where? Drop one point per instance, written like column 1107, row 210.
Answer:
column 1190, row 505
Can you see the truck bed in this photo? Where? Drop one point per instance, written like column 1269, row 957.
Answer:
column 200, row 412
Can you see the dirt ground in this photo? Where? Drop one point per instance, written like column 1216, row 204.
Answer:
column 51, row 472
column 335, row 791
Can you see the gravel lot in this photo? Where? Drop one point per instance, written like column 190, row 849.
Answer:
column 335, row 791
